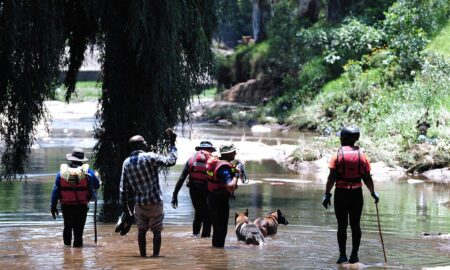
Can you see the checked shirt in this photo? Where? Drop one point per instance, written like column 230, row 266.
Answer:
column 140, row 176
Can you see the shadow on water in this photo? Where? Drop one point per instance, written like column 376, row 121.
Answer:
column 31, row 239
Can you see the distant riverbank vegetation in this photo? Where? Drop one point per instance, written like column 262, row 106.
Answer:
column 384, row 67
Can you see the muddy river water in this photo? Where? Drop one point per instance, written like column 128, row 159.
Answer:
column 31, row 239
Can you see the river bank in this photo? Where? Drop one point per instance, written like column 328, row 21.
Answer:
column 310, row 155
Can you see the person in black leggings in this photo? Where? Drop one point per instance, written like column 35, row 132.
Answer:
column 347, row 168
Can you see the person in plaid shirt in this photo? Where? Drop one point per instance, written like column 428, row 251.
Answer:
column 140, row 179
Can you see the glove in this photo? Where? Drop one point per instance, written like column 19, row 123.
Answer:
column 375, row 196
column 326, row 201
column 172, row 136
column 174, row 202
column 54, row 211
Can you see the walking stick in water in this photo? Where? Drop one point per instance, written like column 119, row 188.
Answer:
column 95, row 221
column 381, row 236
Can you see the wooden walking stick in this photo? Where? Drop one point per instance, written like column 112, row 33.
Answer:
column 381, row 236
column 95, row 221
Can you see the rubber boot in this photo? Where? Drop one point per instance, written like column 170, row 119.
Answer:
column 156, row 243
column 354, row 258
column 342, row 259
column 142, row 243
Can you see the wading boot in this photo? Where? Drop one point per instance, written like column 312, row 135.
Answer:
column 353, row 258
column 342, row 259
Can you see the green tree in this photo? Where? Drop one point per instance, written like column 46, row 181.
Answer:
column 154, row 54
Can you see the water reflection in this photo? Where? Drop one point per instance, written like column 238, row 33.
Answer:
column 31, row 239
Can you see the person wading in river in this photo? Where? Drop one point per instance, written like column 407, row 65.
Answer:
column 347, row 168
column 195, row 167
column 221, row 185
column 74, row 187
column 140, row 179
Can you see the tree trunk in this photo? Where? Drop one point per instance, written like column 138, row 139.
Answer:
column 262, row 10
column 309, row 9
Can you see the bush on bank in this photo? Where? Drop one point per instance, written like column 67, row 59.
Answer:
column 380, row 74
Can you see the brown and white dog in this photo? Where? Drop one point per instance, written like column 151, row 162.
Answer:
column 247, row 231
column 269, row 224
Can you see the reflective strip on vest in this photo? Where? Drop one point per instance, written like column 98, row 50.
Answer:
column 215, row 184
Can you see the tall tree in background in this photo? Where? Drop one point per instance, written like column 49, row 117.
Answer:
column 154, row 54
column 31, row 46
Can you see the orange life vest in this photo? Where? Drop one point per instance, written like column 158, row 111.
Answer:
column 197, row 167
column 212, row 168
column 349, row 168
column 74, row 184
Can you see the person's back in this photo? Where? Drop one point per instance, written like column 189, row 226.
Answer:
column 140, row 178
column 195, row 168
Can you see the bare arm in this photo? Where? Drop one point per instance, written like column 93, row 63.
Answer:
column 232, row 185
column 183, row 177
column 330, row 182
column 367, row 178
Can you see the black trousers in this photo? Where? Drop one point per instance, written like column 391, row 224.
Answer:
column 219, row 207
column 199, row 198
column 74, row 221
column 348, row 205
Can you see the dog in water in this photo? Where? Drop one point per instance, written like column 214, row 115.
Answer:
column 269, row 224
column 247, row 231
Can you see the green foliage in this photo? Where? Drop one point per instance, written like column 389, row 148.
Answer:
column 441, row 44
column 155, row 56
column 31, row 44
column 408, row 26
column 84, row 91
column 351, row 41
column 248, row 61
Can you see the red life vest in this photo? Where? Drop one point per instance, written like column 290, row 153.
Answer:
column 197, row 167
column 349, row 168
column 74, row 185
column 212, row 168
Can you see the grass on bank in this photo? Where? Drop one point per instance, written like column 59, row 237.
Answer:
column 84, row 91
column 441, row 43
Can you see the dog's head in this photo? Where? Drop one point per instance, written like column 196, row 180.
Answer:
column 241, row 217
column 281, row 218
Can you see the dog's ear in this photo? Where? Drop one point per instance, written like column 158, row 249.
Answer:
column 246, row 212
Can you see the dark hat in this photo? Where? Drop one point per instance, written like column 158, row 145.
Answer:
column 349, row 132
column 205, row 145
column 124, row 223
column 76, row 155
column 227, row 148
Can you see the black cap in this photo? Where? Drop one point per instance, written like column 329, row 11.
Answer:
column 349, row 132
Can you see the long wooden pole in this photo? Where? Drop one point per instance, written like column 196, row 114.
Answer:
column 381, row 235
column 95, row 221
